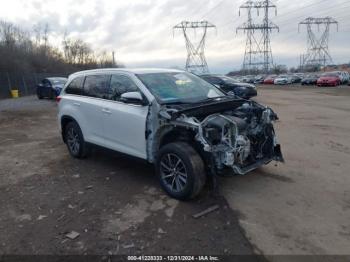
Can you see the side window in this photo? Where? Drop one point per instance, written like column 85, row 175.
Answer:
column 97, row 86
column 121, row 84
column 46, row 83
column 76, row 86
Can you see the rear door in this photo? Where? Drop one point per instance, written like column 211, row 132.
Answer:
column 124, row 123
column 93, row 102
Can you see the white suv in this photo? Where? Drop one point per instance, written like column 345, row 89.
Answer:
column 187, row 127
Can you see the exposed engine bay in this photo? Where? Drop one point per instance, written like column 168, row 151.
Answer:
column 235, row 133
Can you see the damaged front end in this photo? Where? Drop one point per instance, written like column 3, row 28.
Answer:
column 236, row 134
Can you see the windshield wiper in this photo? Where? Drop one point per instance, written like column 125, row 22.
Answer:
column 175, row 103
column 211, row 99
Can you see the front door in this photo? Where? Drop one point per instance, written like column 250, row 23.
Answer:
column 125, row 124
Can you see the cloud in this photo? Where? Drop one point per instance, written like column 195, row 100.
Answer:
column 140, row 31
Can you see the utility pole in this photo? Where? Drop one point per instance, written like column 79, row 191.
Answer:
column 317, row 53
column 113, row 60
column 196, row 62
column 258, row 52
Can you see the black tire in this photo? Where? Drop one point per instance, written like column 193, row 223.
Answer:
column 39, row 95
column 73, row 134
column 52, row 95
column 192, row 165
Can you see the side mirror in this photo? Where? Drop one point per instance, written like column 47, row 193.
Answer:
column 132, row 98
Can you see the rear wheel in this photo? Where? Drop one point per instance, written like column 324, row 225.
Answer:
column 75, row 140
column 180, row 170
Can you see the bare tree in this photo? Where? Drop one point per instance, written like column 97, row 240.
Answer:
column 30, row 51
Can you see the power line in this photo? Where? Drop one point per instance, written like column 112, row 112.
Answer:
column 285, row 21
column 258, row 52
column 196, row 62
column 317, row 50
column 211, row 10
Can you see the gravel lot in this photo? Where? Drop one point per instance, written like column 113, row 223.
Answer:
column 302, row 206
column 115, row 204
column 112, row 201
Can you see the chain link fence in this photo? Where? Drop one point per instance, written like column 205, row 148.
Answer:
column 25, row 83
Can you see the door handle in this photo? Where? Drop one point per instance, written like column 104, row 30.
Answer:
column 106, row 111
column 76, row 104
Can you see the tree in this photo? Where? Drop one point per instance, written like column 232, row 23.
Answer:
column 31, row 51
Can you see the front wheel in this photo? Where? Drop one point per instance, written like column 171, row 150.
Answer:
column 180, row 170
column 39, row 95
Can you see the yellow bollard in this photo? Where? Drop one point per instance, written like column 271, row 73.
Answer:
column 14, row 93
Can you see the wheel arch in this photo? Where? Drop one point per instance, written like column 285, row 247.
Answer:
column 171, row 134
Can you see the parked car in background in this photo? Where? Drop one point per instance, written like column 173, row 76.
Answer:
column 283, row 80
column 309, row 80
column 300, row 75
column 343, row 76
column 235, row 78
column 269, row 80
column 186, row 127
column 329, row 79
column 259, row 79
column 230, row 86
column 249, row 79
column 50, row 87
column 295, row 79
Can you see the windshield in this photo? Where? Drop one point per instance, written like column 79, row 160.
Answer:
column 59, row 81
column 227, row 79
column 174, row 87
column 330, row 75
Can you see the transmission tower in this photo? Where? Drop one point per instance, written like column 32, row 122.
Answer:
column 196, row 62
column 258, row 52
column 317, row 47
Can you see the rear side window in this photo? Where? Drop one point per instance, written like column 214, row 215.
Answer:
column 121, row 84
column 76, row 86
column 46, row 83
column 97, row 86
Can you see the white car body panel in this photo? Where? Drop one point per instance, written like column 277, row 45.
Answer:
column 343, row 76
column 125, row 128
column 140, row 128
column 88, row 115
column 282, row 81
column 115, row 125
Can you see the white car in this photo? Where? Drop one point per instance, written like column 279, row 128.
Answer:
column 343, row 76
column 283, row 80
column 185, row 126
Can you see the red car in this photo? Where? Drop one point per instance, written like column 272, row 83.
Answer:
column 328, row 79
column 269, row 80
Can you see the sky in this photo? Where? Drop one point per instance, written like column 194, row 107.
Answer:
column 140, row 31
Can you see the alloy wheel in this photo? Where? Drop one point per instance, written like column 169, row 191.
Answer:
column 73, row 141
column 173, row 172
